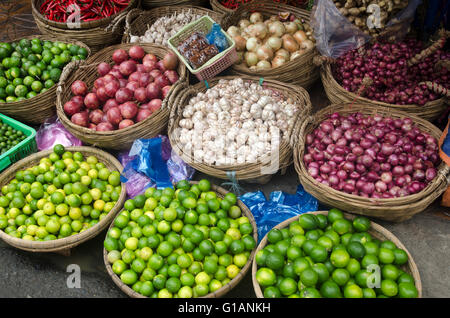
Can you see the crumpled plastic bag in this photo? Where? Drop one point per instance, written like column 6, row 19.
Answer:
column 52, row 132
column 335, row 34
column 216, row 37
column 280, row 207
column 152, row 163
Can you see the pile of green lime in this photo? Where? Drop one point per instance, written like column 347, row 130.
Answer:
column 63, row 195
column 332, row 257
column 182, row 243
column 30, row 67
column 9, row 137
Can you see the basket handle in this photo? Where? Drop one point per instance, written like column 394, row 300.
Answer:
column 437, row 88
column 321, row 60
column 131, row 16
column 293, row 130
column 299, row 131
column 442, row 64
column 431, row 49
column 173, row 93
column 115, row 24
column 67, row 70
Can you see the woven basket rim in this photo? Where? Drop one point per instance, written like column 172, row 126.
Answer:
column 100, row 23
column 224, row 289
column 221, row 171
column 393, row 209
column 73, row 240
column 374, row 228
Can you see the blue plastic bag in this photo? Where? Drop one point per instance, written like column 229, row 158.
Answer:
column 280, row 207
column 152, row 163
column 216, row 37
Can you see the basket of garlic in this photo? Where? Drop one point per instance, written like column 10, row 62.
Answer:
column 160, row 24
column 237, row 128
column 274, row 41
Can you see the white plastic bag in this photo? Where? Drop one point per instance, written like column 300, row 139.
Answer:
column 335, row 34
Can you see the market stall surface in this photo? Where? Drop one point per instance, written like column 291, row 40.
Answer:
column 26, row 274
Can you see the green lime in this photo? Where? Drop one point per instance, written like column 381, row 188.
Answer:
column 307, row 221
column 407, row 290
column 329, row 289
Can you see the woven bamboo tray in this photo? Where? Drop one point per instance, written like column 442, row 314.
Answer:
column 64, row 245
column 300, row 71
column 122, row 138
column 150, row 4
column 395, row 209
column 375, row 230
column 337, row 94
column 250, row 172
column 138, row 21
column 96, row 34
column 37, row 109
column 221, row 192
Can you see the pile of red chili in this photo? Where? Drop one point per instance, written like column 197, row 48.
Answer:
column 88, row 10
column 234, row 4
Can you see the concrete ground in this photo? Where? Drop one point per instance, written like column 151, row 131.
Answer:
column 25, row 274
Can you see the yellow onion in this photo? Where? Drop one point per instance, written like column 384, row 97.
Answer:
column 278, row 61
column 258, row 30
column 263, row 65
column 251, row 58
column 256, row 17
column 252, row 44
column 264, row 53
column 289, row 43
column 300, row 36
column 274, row 43
column 283, row 53
column 306, row 45
column 240, row 42
column 277, row 29
column 297, row 54
column 233, row 31
column 243, row 24
column 291, row 27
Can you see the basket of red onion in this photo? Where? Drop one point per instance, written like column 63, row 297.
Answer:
column 397, row 74
column 372, row 161
column 121, row 94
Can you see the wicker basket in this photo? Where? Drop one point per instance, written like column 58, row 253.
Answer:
column 216, row 64
column 150, row 4
column 65, row 244
column 300, row 71
column 222, row 291
column 37, row 109
column 250, row 172
column 337, row 94
column 138, row 21
column 122, row 138
column 96, row 34
column 375, row 230
column 218, row 7
column 395, row 209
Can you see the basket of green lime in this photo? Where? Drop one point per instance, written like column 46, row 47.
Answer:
column 332, row 254
column 31, row 66
column 54, row 200
column 196, row 240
